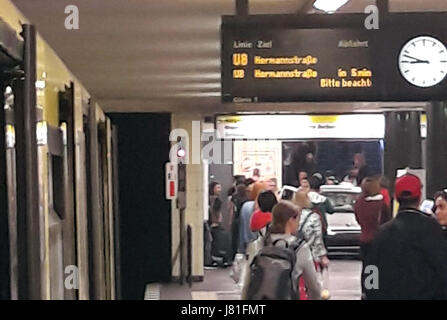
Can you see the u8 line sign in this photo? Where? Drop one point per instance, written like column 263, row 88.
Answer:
column 283, row 58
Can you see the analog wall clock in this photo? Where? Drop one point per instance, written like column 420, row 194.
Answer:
column 423, row 61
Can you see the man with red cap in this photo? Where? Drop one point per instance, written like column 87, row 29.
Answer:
column 409, row 256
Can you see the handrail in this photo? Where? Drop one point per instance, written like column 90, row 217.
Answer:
column 189, row 254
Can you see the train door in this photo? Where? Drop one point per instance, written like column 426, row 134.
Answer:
column 52, row 202
column 102, row 175
column 106, row 198
column 116, row 212
column 20, row 247
column 8, row 211
column 82, row 204
column 65, row 164
column 55, row 158
column 103, row 239
column 94, row 218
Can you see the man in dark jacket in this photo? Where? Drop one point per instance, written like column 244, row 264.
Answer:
column 409, row 251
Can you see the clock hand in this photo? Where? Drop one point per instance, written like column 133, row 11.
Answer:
column 407, row 56
column 417, row 60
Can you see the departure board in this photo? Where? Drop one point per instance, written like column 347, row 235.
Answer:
column 274, row 63
column 296, row 65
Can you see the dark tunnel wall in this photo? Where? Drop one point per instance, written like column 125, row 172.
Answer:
column 145, row 214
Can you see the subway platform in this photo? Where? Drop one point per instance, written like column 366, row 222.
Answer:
column 344, row 284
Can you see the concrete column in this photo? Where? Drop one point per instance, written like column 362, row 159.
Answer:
column 403, row 146
column 195, row 194
column 436, row 147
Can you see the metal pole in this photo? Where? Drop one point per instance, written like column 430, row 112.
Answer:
column 181, row 198
column 182, row 246
column 242, row 7
column 383, row 6
column 189, row 241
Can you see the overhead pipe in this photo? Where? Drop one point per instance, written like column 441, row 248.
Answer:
column 242, row 7
column 383, row 5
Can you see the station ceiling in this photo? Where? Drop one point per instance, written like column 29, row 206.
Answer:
column 154, row 55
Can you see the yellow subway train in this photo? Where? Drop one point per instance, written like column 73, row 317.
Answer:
column 58, row 201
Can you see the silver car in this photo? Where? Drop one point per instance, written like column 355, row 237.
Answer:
column 343, row 230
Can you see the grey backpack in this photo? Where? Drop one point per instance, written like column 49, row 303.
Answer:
column 271, row 271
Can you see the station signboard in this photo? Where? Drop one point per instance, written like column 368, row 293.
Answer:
column 283, row 58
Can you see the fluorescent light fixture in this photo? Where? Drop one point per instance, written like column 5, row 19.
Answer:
column 10, row 136
column 40, row 84
column 329, row 5
column 42, row 133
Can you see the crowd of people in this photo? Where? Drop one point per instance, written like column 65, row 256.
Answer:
column 252, row 221
column 409, row 250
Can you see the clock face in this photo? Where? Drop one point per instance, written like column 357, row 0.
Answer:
column 423, row 61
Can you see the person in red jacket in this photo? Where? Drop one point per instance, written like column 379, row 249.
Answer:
column 371, row 211
column 384, row 185
column 386, row 196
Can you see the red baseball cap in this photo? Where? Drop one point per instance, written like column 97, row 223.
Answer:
column 259, row 220
column 408, row 186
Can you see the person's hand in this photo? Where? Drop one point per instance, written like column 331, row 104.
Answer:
column 324, row 262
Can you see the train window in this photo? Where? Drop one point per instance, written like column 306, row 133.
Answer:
column 58, row 186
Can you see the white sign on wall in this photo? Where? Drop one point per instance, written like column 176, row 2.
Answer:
column 171, row 180
column 357, row 126
column 282, row 126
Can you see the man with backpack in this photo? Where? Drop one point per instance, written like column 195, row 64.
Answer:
column 276, row 269
column 259, row 223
